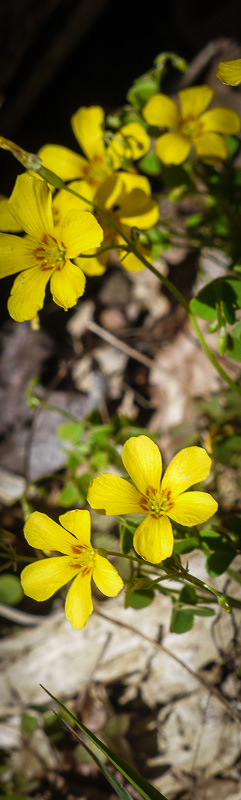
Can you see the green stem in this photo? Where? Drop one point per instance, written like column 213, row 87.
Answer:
column 52, row 178
column 224, row 600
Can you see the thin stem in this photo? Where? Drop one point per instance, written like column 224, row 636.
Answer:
column 104, row 250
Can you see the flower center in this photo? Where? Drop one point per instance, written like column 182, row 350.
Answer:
column 95, row 171
column 157, row 503
column 51, row 254
column 83, row 558
column 191, row 126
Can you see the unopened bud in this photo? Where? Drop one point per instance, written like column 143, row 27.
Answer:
column 28, row 160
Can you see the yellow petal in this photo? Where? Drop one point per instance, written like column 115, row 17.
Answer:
column 67, row 285
column 45, row 534
column 142, row 460
column 78, row 523
column 15, row 254
column 162, row 111
column 43, row 578
column 195, row 100
column 78, row 605
column 109, row 192
column 211, row 147
column 131, row 141
column 64, row 202
column 95, row 265
column 230, row 72
column 191, row 465
column 109, row 494
column 131, row 180
column 27, row 294
column 191, row 508
column 64, row 162
column 138, row 210
column 80, row 231
column 222, row 120
column 31, row 205
column 173, row 148
column 106, row 577
column 87, row 125
column 7, row 221
column 153, row 539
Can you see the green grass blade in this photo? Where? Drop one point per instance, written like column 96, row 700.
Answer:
column 143, row 786
column 116, row 785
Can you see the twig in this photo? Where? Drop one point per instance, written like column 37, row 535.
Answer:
column 20, row 617
column 125, row 348
column 231, row 711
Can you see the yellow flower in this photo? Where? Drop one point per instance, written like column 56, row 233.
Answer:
column 126, row 198
column 132, row 141
column 44, row 254
column 230, row 72
column 190, row 126
column 153, row 539
column 80, row 561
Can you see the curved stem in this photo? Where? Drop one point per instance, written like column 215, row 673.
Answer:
column 52, row 178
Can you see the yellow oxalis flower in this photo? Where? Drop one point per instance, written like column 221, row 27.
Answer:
column 44, row 254
column 132, row 141
column 80, row 561
column 159, row 499
column 190, row 126
column 229, row 72
column 126, row 198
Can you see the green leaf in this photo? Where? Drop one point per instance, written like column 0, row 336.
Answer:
column 71, row 432
column 204, row 304
column 188, row 595
column 68, row 495
column 182, row 620
column 218, row 562
column 143, row 786
column 139, row 599
column 185, row 545
column 150, row 164
column 203, row 611
column 227, row 290
column 11, row 592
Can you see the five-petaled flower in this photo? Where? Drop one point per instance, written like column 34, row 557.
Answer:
column 45, row 253
column 159, row 499
column 131, row 142
column 190, row 126
column 80, row 561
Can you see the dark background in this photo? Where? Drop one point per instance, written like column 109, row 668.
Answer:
column 57, row 55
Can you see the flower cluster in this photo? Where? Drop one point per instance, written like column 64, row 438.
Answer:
column 106, row 197
column 110, row 494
